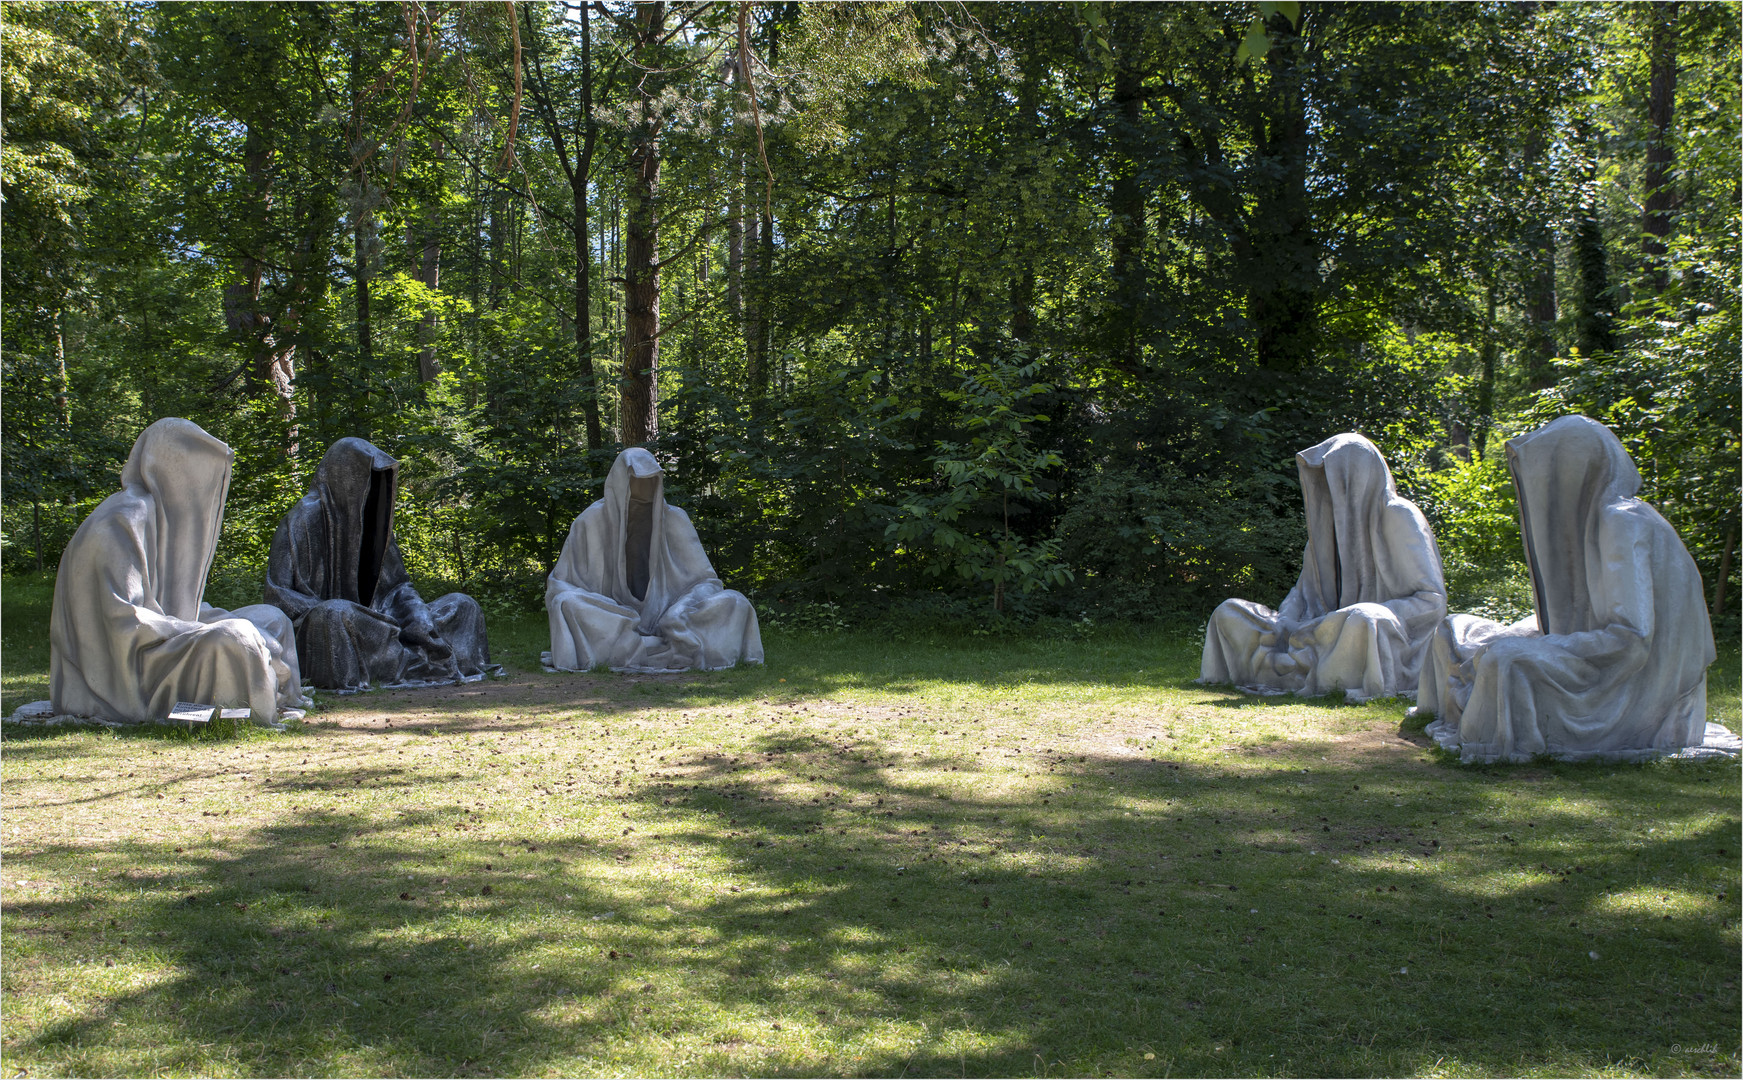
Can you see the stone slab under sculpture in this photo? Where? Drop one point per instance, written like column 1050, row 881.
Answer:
column 1369, row 598
column 335, row 569
column 129, row 635
column 634, row 591
column 1613, row 662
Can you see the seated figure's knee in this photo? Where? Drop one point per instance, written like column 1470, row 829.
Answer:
column 328, row 621
column 237, row 634
column 457, row 603
column 1504, row 652
column 329, row 613
column 270, row 619
column 1371, row 613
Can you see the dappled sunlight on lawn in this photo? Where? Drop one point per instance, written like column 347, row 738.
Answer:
column 990, row 873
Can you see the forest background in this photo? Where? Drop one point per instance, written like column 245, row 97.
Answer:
column 932, row 310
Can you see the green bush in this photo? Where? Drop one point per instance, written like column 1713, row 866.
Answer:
column 1162, row 545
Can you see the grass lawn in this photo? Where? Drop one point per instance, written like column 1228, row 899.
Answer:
column 876, row 855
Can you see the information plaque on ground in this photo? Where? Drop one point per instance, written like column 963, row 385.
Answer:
column 191, row 712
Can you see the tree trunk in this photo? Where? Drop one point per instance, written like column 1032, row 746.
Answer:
column 579, row 170
column 430, row 274
column 765, row 324
column 1485, row 410
column 1595, row 324
column 362, row 213
column 360, row 275
column 62, row 398
column 1718, row 598
column 1283, row 302
column 1661, row 196
column 756, row 375
column 1126, row 205
column 242, row 299
column 270, row 363
column 1540, row 307
column 584, row 317
column 641, row 342
column 735, row 239
column 1023, row 281
column 766, row 232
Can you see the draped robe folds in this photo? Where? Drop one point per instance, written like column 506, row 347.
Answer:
column 1613, row 662
column 1368, row 600
column 129, row 636
column 634, row 590
column 335, row 569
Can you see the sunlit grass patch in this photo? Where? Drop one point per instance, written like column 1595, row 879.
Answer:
column 867, row 857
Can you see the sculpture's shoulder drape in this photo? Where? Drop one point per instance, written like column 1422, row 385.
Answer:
column 634, row 589
column 1618, row 665
column 126, row 640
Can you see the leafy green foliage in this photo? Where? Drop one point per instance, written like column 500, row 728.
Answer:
column 965, row 522
column 1230, row 230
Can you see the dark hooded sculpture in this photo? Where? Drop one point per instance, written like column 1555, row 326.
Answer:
column 1369, row 597
column 335, row 569
column 634, row 590
column 1613, row 662
column 129, row 635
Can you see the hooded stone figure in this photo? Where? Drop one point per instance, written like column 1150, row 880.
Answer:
column 634, row 590
column 1613, row 662
column 335, row 569
column 1369, row 598
column 129, row 635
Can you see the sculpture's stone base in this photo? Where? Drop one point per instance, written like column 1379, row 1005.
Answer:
column 1719, row 743
column 42, row 714
column 494, row 671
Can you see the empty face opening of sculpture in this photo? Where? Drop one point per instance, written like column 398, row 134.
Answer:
column 1320, row 505
column 377, row 527
column 638, row 535
column 1531, row 561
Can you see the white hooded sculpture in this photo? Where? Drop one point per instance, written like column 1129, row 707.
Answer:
column 1368, row 600
column 1613, row 664
column 129, row 636
column 634, row 590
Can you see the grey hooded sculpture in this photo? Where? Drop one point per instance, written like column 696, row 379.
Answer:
column 335, row 569
column 1369, row 597
column 1613, row 662
column 129, row 635
column 634, row 590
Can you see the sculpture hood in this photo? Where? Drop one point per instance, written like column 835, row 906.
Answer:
column 341, row 533
column 1358, row 528
column 1599, row 556
column 184, row 475
column 1566, row 475
column 633, row 589
column 631, row 546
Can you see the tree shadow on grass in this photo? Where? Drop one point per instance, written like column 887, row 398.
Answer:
column 1236, row 918
column 1227, row 921
column 293, row 967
